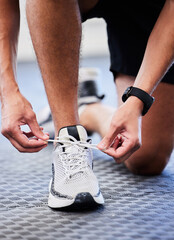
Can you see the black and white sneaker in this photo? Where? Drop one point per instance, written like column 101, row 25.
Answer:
column 73, row 177
column 88, row 88
column 88, row 93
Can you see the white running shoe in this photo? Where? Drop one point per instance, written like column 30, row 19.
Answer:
column 73, row 177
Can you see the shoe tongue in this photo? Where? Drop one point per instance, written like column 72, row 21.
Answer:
column 77, row 131
column 80, row 134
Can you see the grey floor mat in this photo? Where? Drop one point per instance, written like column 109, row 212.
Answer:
column 135, row 207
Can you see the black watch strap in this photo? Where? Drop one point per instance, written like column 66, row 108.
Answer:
column 142, row 95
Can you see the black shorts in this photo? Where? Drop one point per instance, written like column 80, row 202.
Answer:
column 129, row 24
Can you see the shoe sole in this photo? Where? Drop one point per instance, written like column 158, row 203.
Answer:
column 83, row 197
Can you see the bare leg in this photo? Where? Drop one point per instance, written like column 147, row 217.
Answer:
column 55, row 28
column 97, row 117
column 157, row 130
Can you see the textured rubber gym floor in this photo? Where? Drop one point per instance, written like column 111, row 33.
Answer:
column 135, row 207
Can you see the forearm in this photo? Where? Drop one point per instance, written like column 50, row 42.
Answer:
column 159, row 52
column 9, row 30
column 124, row 135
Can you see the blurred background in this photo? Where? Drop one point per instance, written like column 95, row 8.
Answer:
column 94, row 39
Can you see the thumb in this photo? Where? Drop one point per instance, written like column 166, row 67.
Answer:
column 37, row 130
column 108, row 140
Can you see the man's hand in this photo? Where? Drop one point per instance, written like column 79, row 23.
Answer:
column 17, row 111
column 124, row 135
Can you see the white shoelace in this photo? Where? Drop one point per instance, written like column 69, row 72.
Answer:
column 73, row 161
column 62, row 140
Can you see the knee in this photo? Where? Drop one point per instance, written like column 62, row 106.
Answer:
column 147, row 164
column 86, row 5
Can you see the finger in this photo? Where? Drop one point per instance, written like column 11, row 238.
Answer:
column 25, row 150
column 116, row 142
column 107, row 141
column 28, row 134
column 124, row 158
column 46, row 133
column 36, row 129
column 124, row 151
column 24, row 141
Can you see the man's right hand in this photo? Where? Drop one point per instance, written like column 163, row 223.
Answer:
column 17, row 111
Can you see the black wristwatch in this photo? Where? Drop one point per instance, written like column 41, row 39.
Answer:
column 142, row 95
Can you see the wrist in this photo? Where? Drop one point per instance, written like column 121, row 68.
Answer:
column 143, row 96
column 135, row 104
column 9, row 94
column 8, row 86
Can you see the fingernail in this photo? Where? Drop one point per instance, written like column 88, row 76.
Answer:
column 43, row 141
column 102, row 146
column 104, row 149
column 45, row 136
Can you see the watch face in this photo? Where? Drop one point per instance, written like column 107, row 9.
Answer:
column 126, row 94
column 142, row 95
column 127, row 91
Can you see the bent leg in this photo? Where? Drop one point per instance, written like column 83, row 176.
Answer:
column 157, row 130
column 86, row 5
column 97, row 117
